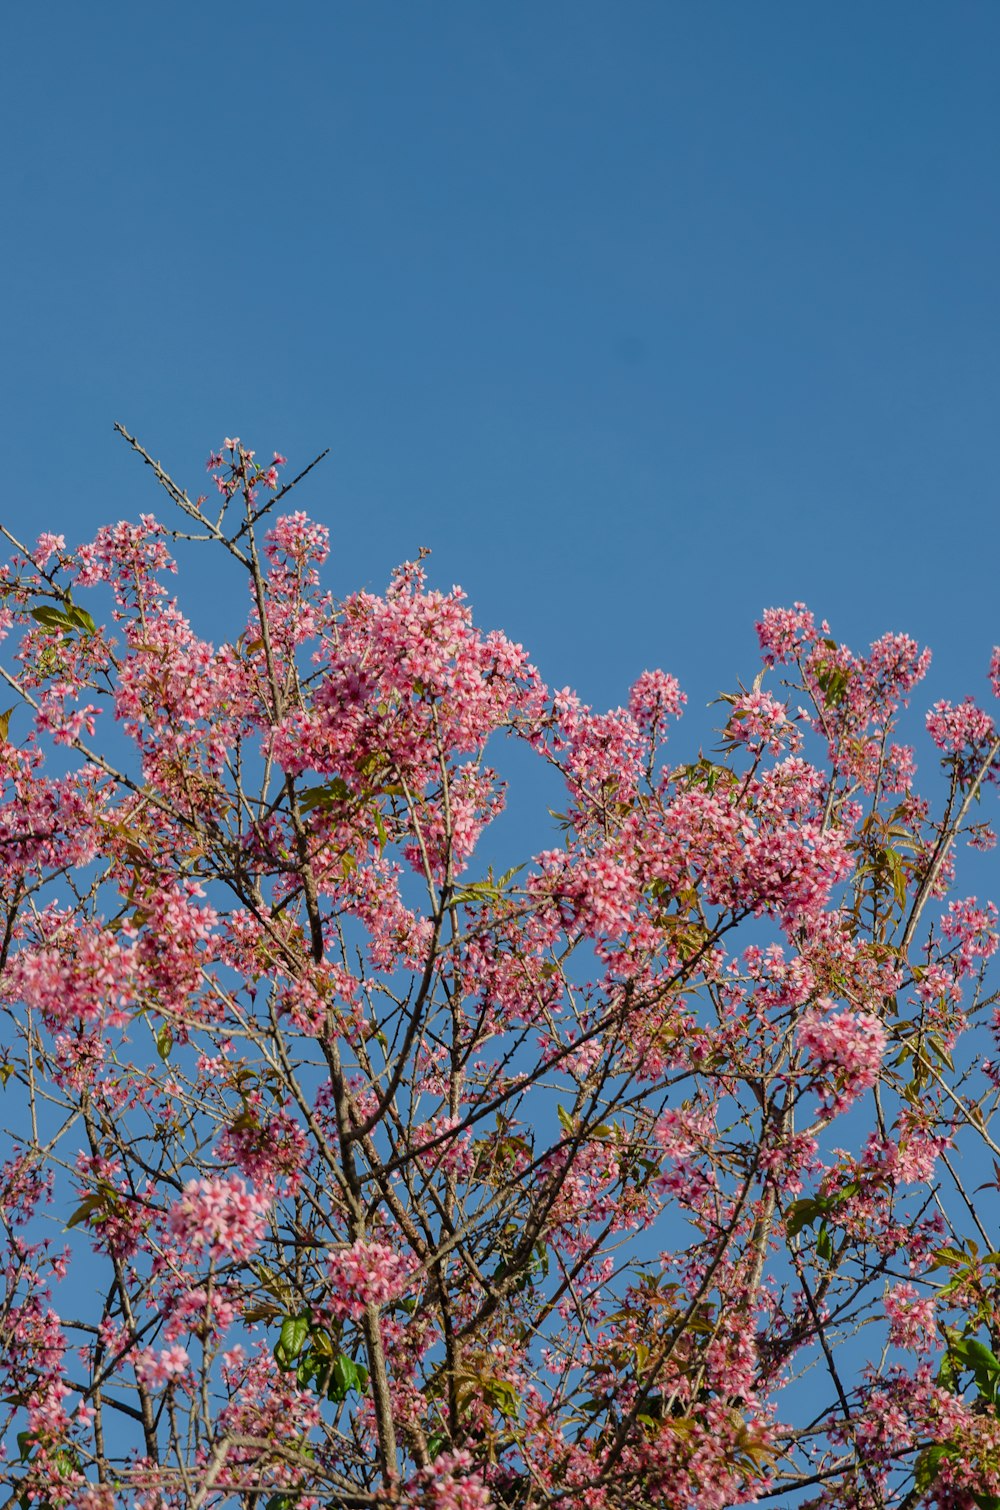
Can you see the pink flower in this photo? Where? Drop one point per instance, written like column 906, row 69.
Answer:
column 785, row 632
column 957, row 729
column 761, row 723
column 972, row 930
column 46, row 547
column 155, row 1369
column 654, row 697
column 451, row 1483
column 911, row 1317
column 848, row 1046
column 366, row 1274
column 221, row 1215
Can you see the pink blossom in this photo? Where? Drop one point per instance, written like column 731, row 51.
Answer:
column 956, row 729
column 283, row 969
column 785, row 633
column 220, row 1215
column 452, row 1483
column 911, row 1317
column 761, row 723
column 366, row 1273
column 46, row 547
column 847, row 1046
column 46, row 1414
column 655, row 696
column 972, row 930
column 163, row 1367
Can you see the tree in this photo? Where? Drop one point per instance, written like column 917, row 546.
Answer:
column 346, row 1172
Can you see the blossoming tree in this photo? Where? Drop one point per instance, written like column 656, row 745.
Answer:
column 346, row 1172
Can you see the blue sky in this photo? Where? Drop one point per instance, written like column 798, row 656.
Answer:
column 644, row 316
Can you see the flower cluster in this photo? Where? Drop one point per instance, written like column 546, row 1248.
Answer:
column 846, row 1046
column 498, row 1176
column 364, row 1274
column 221, row 1216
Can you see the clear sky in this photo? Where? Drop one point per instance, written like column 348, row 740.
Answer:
column 644, row 316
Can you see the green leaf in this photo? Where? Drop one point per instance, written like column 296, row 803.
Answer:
column 947, row 1258
column 65, row 1462
column 345, row 1376
column 51, row 618
column 566, row 1122
column 928, row 1464
column 803, row 1213
column 6, row 1070
column 502, row 1394
column 983, row 1363
column 87, row 1207
column 5, row 723
column 824, row 1243
column 898, row 875
column 342, row 1378
column 294, row 1331
column 939, row 1051
column 832, row 682
column 81, row 619
column 334, row 791
column 164, row 1042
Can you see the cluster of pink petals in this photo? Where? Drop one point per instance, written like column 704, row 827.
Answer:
column 785, row 632
column 86, row 973
column 894, row 666
column 366, row 1274
column 452, row 1483
column 760, row 722
column 655, row 695
column 163, row 1367
column 265, row 1402
column 849, row 1045
column 65, row 724
column 384, row 742
column 956, row 729
column 971, row 929
column 198, row 1310
column 47, row 1416
column 47, row 546
column 911, row 1317
column 126, row 555
column 297, row 538
column 220, row 1215
column 266, row 1148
